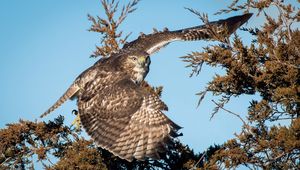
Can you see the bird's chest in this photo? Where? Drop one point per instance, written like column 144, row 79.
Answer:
column 139, row 73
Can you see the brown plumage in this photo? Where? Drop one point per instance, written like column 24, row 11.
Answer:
column 120, row 114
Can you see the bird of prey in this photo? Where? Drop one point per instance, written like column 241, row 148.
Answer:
column 120, row 114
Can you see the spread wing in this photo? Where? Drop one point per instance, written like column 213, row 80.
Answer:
column 127, row 120
column 153, row 42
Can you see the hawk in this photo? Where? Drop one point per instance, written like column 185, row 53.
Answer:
column 116, row 110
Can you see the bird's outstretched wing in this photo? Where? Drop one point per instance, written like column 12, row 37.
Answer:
column 127, row 120
column 153, row 42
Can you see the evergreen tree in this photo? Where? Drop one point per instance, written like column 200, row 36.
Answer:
column 268, row 67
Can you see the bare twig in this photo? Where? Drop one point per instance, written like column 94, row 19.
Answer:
column 200, row 159
column 235, row 114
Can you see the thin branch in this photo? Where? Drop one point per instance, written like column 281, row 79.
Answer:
column 235, row 114
column 200, row 159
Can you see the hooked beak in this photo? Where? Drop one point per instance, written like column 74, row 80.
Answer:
column 142, row 60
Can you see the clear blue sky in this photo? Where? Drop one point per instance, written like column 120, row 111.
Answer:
column 45, row 44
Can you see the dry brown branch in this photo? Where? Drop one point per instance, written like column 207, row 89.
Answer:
column 246, row 125
column 111, row 37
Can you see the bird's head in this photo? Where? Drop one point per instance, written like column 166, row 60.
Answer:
column 137, row 65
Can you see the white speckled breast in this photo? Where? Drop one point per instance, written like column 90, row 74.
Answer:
column 141, row 71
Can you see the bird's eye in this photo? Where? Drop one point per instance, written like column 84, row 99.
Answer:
column 134, row 58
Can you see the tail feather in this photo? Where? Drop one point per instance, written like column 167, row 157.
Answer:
column 72, row 90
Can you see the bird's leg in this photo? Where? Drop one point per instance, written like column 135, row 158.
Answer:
column 76, row 121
